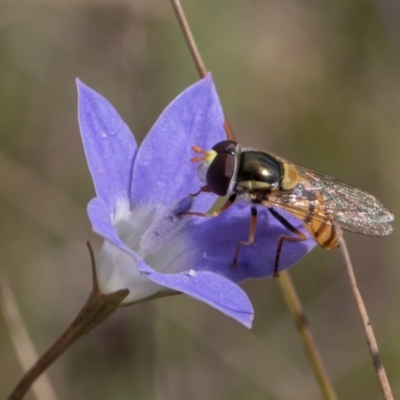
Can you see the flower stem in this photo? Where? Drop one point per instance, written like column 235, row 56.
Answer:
column 372, row 344
column 96, row 309
column 300, row 319
column 23, row 345
column 195, row 53
column 187, row 34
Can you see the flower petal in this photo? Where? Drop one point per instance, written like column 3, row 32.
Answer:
column 109, row 146
column 216, row 240
column 162, row 172
column 210, row 288
column 117, row 266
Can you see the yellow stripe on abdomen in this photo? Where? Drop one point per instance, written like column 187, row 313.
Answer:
column 324, row 234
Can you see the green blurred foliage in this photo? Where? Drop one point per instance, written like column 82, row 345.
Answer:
column 317, row 82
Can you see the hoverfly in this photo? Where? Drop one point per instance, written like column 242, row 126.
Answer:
column 266, row 180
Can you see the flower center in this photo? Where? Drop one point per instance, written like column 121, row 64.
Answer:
column 148, row 229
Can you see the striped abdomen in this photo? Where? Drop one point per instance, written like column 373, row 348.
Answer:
column 323, row 232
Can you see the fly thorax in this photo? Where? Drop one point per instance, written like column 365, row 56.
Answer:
column 258, row 171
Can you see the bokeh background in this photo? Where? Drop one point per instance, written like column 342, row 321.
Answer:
column 317, row 82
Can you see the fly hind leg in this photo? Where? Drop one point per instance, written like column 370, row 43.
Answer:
column 285, row 238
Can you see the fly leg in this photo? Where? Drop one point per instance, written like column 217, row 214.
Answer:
column 204, row 188
column 253, row 222
column 284, row 238
column 227, row 204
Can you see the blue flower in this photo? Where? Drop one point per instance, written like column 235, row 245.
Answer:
column 140, row 190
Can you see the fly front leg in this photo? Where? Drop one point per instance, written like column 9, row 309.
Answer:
column 204, row 189
column 252, row 232
column 228, row 203
column 285, row 238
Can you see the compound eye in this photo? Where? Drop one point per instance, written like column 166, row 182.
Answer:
column 220, row 172
column 226, row 146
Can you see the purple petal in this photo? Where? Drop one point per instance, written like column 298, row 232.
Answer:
column 162, row 172
column 109, row 146
column 210, row 288
column 217, row 238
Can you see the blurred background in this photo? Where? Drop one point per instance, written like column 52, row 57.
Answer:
column 316, row 82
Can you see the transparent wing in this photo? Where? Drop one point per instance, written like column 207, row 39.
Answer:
column 318, row 195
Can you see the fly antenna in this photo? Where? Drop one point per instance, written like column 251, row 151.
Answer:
column 198, row 149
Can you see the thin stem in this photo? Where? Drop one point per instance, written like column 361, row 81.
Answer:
column 92, row 313
column 187, row 34
column 287, row 287
column 96, row 309
column 300, row 319
column 69, row 336
column 20, row 339
column 195, row 53
column 372, row 344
